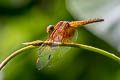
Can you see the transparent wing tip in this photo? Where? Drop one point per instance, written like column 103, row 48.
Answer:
column 38, row 65
column 41, row 63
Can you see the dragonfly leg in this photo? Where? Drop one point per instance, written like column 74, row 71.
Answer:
column 39, row 51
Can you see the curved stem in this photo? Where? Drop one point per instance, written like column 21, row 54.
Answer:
column 5, row 61
column 35, row 44
column 100, row 51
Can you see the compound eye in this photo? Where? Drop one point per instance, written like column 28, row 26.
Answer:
column 50, row 28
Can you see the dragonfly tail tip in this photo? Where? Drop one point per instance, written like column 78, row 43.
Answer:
column 99, row 20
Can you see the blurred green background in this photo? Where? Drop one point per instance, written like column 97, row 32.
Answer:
column 26, row 20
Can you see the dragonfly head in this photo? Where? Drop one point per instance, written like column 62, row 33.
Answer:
column 50, row 29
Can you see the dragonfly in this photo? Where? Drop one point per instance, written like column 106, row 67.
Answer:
column 62, row 32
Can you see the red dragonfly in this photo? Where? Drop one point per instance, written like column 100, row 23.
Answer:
column 63, row 31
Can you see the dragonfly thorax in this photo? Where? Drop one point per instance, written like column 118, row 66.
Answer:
column 62, row 32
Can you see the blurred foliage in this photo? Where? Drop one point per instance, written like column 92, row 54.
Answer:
column 109, row 10
column 26, row 20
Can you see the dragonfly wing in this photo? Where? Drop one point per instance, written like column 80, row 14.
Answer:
column 75, row 36
column 63, row 50
column 46, row 53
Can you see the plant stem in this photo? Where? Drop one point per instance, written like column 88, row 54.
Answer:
column 100, row 51
column 35, row 44
column 5, row 61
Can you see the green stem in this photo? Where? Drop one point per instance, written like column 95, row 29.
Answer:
column 100, row 51
column 5, row 61
column 35, row 44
